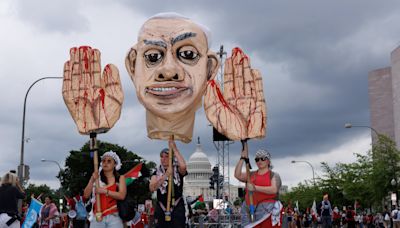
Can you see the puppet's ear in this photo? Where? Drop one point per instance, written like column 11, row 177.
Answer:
column 212, row 65
column 130, row 61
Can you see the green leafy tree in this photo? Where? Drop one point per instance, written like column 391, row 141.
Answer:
column 36, row 190
column 305, row 193
column 79, row 169
column 385, row 166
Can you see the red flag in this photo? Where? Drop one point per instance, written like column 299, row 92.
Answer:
column 133, row 174
column 201, row 199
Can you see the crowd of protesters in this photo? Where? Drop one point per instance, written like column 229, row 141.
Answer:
column 346, row 217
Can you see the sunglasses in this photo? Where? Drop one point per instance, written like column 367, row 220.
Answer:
column 258, row 159
column 108, row 160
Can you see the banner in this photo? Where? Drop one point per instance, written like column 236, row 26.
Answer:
column 33, row 213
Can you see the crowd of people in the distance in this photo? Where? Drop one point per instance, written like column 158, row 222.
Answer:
column 325, row 215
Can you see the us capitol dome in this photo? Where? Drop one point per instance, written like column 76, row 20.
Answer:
column 197, row 182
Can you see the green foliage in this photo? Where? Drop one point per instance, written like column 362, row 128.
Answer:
column 305, row 193
column 34, row 191
column 79, row 169
column 368, row 180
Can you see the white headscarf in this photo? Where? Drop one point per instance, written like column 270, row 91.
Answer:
column 113, row 155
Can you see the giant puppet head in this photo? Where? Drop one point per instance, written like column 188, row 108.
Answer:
column 170, row 66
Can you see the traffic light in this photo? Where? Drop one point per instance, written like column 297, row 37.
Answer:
column 221, row 181
column 212, row 182
column 215, row 172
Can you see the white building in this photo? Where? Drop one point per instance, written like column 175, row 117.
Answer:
column 197, row 182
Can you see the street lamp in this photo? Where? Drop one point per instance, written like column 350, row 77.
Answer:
column 349, row 125
column 61, row 170
column 313, row 173
column 22, row 167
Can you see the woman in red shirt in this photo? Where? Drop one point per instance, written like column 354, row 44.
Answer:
column 264, row 186
column 112, row 188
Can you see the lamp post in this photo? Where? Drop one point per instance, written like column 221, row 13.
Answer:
column 61, row 170
column 22, row 167
column 349, row 125
column 312, row 167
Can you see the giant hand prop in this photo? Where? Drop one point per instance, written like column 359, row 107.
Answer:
column 94, row 99
column 240, row 112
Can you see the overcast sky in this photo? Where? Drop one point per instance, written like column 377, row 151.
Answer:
column 314, row 57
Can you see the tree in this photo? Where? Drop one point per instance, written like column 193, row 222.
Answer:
column 79, row 169
column 386, row 166
column 34, row 191
column 305, row 193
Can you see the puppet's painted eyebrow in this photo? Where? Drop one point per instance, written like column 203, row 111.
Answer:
column 156, row 43
column 183, row 36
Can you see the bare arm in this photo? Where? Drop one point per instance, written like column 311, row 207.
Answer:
column 238, row 169
column 88, row 189
column 181, row 161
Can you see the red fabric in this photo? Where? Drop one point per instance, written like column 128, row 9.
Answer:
column 201, row 199
column 138, row 225
column 144, row 218
column 107, row 201
column 261, row 180
column 134, row 172
column 336, row 215
column 268, row 224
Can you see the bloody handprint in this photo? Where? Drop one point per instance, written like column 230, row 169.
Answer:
column 240, row 112
column 94, row 99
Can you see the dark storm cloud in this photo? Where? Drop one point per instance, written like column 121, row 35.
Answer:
column 314, row 40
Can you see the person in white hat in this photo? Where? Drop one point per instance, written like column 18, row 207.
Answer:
column 264, row 186
column 112, row 188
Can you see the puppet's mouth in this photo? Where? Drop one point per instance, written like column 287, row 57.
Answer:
column 167, row 91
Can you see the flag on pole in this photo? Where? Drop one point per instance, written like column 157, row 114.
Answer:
column 314, row 209
column 355, row 206
column 133, row 174
column 33, row 213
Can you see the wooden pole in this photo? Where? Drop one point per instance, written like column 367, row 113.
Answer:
column 170, row 183
column 93, row 147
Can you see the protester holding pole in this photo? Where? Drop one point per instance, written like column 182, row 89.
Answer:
column 262, row 189
column 112, row 188
column 162, row 183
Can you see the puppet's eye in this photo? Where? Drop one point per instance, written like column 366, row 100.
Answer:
column 153, row 56
column 188, row 54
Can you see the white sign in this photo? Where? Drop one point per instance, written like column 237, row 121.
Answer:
column 394, row 197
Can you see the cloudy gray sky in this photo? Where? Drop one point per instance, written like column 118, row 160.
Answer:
column 314, row 56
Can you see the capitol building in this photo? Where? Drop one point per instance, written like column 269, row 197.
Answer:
column 197, row 182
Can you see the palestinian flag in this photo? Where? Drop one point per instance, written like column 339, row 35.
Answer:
column 133, row 174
